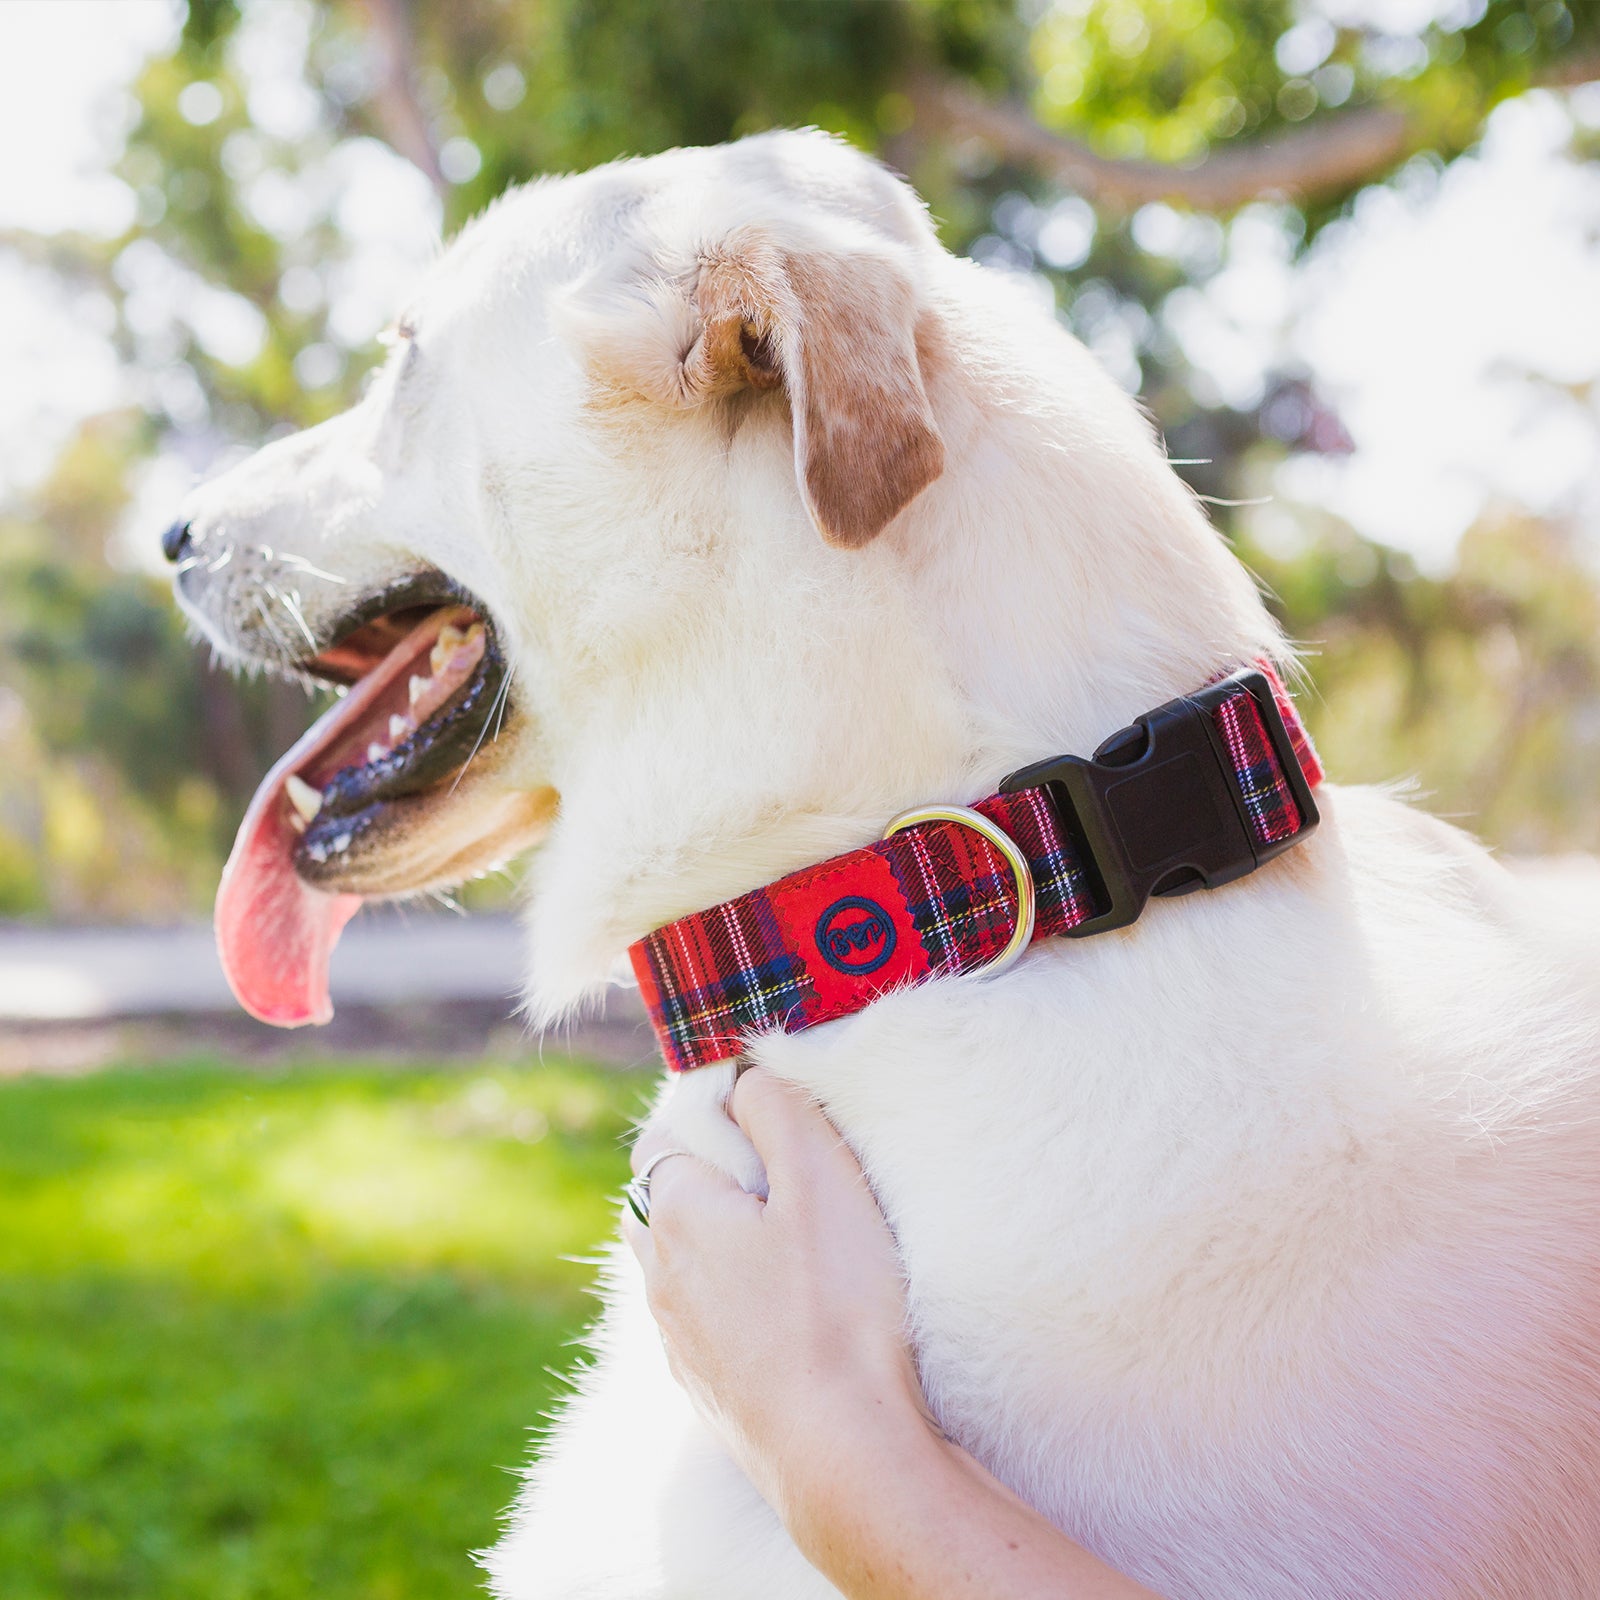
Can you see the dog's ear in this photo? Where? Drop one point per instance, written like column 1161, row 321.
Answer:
column 837, row 329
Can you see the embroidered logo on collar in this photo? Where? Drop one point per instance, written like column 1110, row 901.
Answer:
column 855, row 935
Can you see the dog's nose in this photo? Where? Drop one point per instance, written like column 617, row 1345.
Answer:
column 175, row 542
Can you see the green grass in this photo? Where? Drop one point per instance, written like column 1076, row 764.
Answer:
column 282, row 1335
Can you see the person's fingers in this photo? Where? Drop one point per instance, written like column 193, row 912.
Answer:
column 687, row 1197
column 783, row 1124
column 637, row 1238
column 685, row 1190
column 652, row 1140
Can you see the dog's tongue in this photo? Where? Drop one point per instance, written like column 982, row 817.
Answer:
column 275, row 932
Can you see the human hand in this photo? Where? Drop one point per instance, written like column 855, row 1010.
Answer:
column 782, row 1318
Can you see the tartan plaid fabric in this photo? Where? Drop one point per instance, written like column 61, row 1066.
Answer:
column 1262, row 785
column 1305, row 752
column 1062, row 890
column 932, row 901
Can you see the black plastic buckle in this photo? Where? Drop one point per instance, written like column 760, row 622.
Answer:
column 1157, row 809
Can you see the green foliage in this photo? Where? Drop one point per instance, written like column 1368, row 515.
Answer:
column 207, row 23
column 1168, row 79
column 1160, row 80
column 121, row 768
column 1480, row 686
column 697, row 72
column 280, row 1335
column 103, row 654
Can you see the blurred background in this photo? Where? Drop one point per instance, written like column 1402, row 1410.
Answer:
column 274, row 1315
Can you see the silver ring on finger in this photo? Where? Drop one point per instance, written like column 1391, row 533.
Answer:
column 637, row 1192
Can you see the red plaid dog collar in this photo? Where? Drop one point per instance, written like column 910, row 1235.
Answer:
column 1191, row 795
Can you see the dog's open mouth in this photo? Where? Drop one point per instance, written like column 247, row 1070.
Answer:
column 425, row 693
column 417, row 712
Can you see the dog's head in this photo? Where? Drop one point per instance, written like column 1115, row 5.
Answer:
column 525, row 509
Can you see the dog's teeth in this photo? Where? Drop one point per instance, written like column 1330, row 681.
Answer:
column 342, row 843
column 306, row 801
column 375, row 752
column 400, row 728
column 297, row 822
column 419, row 687
column 451, row 641
column 445, row 646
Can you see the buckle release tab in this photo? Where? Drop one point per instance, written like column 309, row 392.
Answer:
column 1157, row 809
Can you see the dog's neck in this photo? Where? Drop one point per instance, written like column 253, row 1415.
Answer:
column 1072, row 575
column 1054, row 583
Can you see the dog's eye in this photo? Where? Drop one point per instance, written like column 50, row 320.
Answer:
column 404, row 331
column 401, row 359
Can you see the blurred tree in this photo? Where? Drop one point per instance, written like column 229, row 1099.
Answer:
column 1485, row 683
column 1100, row 147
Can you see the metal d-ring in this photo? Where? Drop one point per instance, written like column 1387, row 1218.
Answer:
column 1027, row 898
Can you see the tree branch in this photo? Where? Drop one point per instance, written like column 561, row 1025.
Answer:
column 1326, row 157
column 1570, row 73
column 398, row 108
column 1302, row 164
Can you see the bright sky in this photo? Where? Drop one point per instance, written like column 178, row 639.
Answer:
column 57, row 57
column 1454, row 324
column 58, row 128
column 1455, row 331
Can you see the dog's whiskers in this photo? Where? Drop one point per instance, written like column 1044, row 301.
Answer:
column 498, row 707
column 291, row 603
column 300, row 564
column 272, row 627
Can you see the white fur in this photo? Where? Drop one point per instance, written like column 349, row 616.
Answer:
column 1257, row 1245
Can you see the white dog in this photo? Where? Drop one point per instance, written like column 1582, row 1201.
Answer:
column 1256, row 1244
